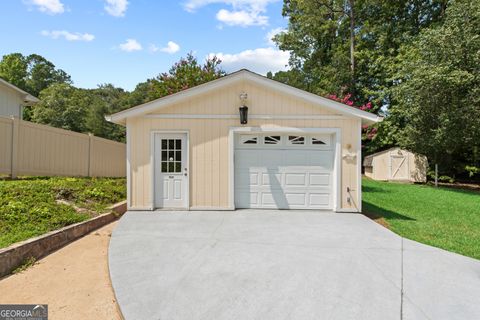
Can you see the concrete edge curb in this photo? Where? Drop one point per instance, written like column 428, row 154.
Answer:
column 119, row 309
column 14, row 255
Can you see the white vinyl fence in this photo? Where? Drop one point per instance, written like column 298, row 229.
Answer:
column 32, row 149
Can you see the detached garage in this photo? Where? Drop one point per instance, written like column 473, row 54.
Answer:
column 244, row 141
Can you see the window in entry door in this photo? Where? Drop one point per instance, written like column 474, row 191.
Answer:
column 172, row 155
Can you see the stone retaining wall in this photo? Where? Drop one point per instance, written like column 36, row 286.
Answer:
column 16, row 254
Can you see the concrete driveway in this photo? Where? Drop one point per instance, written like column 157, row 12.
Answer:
column 278, row 265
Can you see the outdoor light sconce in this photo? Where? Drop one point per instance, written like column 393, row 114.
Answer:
column 243, row 109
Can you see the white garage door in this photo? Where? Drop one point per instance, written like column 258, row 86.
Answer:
column 287, row 171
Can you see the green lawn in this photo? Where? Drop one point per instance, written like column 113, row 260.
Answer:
column 33, row 206
column 441, row 217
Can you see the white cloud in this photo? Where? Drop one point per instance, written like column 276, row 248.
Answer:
column 245, row 12
column 192, row 5
column 48, row 6
column 272, row 33
column 130, row 45
column 241, row 18
column 116, row 8
column 171, row 48
column 69, row 36
column 259, row 60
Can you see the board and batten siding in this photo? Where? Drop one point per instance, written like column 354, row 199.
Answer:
column 10, row 102
column 209, row 142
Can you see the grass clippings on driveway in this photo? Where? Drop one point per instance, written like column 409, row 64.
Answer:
column 442, row 217
column 33, row 206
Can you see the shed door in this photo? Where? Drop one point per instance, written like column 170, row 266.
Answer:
column 399, row 166
column 284, row 171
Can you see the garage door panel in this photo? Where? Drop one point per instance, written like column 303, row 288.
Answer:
column 319, row 179
column 246, row 158
column 321, row 159
column 296, row 199
column 245, row 178
column 244, row 196
column 284, row 177
column 296, row 179
column 271, row 179
column 319, row 199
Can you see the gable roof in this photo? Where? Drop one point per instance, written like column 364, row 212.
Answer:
column 243, row 74
column 27, row 97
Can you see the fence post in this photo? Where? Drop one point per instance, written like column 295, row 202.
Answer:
column 14, row 150
column 90, row 152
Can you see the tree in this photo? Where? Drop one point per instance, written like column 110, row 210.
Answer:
column 346, row 46
column 107, row 100
column 31, row 73
column 13, row 68
column 42, row 73
column 436, row 111
column 63, row 106
column 184, row 74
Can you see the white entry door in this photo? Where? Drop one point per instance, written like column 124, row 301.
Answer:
column 284, row 171
column 171, row 172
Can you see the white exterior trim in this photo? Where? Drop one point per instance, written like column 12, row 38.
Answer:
column 129, row 179
column 359, row 168
column 337, row 167
column 253, row 116
column 241, row 75
column 231, row 169
column 152, row 168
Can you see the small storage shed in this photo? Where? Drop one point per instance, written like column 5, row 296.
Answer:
column 199, row 149
column 396, row 164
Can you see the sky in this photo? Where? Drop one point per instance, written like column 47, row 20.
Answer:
column 125, row 42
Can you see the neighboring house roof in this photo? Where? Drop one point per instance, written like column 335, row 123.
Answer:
column 27, row 97
column 243, row 74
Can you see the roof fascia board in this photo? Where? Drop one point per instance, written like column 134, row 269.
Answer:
column 25, row 95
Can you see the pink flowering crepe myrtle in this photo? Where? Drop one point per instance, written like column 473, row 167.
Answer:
column 369, row 132
column 346, row 100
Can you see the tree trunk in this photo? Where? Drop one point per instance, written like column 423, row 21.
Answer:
column 352, row 41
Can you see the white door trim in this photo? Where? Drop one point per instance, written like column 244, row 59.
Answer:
column 152, row 166
column 337, row 169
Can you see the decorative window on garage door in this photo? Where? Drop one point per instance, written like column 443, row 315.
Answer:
column 321, row 140
column 296, row 140
column 272, row 139
column 287, row 140
column 248, row 139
